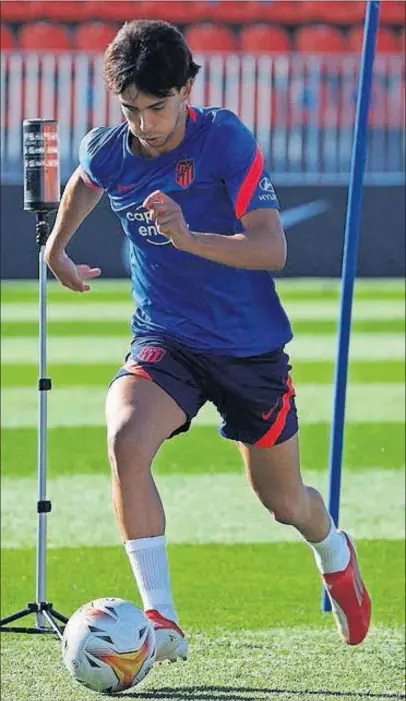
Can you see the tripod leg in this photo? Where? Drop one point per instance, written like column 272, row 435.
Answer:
column 52, row 623
column 58, row 616
column 15, row 616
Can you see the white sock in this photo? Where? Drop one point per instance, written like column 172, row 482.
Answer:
column 332, row 554
column 149, row 563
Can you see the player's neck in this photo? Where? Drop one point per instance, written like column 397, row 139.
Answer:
column 175, row 138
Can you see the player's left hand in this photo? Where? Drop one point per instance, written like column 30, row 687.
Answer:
column 168, row 218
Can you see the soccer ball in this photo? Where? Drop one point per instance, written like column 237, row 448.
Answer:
column 109, row 645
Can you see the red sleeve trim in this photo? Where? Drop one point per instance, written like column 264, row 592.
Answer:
column 271, row 436
column 87, row 180
column 249, row 185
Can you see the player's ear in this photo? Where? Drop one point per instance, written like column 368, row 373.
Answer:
column 186, row 89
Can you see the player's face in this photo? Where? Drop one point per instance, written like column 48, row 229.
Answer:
column 157, row 122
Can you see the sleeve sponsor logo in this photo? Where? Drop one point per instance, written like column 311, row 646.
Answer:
column 267, row 187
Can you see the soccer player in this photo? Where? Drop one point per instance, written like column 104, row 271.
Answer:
column 198, row 207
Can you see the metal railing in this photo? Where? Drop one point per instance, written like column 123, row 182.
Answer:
column 300, row 107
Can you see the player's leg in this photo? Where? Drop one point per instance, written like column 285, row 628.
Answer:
column 257, row 402
column 274, row 474
column 153, row 396
column 140, row 416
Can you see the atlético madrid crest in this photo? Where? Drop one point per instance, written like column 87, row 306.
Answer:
column 185, row 172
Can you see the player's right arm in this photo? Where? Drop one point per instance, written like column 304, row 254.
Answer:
column 82, row 193
column 77, row 201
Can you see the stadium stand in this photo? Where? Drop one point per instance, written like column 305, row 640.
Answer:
column 341, row 13
column 206, row 35
column 234, row 12
column 319, row 39
column 93, row 36
column 282, row 12
column 216, row 25
column 115, row 11
column 54, row 11
column 7, row 37
column 263, row 37
column 388, row 42
column 37, row 36
column 393, row 12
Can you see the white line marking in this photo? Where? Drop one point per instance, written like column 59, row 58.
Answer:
column 296, row 283
column 93, row 350
column 311, row 310
column 200, row 509
column 84, row 406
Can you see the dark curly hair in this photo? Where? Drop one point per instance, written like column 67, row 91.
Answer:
column 151, row 54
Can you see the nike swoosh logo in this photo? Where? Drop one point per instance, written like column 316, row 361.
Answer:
column 267, row 415
column 303, row 212
column 125, row 187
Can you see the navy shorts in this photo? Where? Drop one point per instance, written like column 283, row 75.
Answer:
column 254, row 396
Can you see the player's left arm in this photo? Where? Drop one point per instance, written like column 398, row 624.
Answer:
column 262, row 243
column 262, row 246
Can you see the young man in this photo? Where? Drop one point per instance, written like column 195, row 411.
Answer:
column 193, row 196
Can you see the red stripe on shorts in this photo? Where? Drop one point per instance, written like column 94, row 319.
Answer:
column 137, row 370
column 272, row 435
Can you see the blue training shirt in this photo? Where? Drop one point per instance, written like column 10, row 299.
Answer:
column 216, row 174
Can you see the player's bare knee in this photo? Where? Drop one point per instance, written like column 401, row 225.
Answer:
column 126, row 449
column 292, row 510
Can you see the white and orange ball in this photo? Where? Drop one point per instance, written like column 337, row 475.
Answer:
column 109, row 645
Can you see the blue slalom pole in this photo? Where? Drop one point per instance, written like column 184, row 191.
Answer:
column 351, row 238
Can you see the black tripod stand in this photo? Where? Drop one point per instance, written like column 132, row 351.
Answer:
column 48, row 620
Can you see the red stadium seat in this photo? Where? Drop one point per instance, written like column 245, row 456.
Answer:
column 234, row 11
column 60, row 11
column 37, row 36
column 93, row 36
column 319, row 39
column 117, row 11
column 393, row 12
column 176, row 11
column 16, row 11
column 7, row 38
column 210, row 37
column 332, row 12
column 262, row 37
column 286, row 12
column 388, row 42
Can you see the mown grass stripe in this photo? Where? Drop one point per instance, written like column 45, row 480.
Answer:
column 296, row 288
column 76, row 406
column 221, row 588
column 67, row 375
column 199, row 508
column 118, row 328
column 297, row 310
column 98, row 349
column 82, row 450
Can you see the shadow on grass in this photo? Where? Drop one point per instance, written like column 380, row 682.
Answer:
column 230, row 693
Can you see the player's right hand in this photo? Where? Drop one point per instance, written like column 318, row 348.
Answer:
column 69, row 274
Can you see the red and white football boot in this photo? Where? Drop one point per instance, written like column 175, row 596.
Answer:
column 171, row 643
column 350, row 600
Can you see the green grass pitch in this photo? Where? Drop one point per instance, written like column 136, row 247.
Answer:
column 246, row 589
